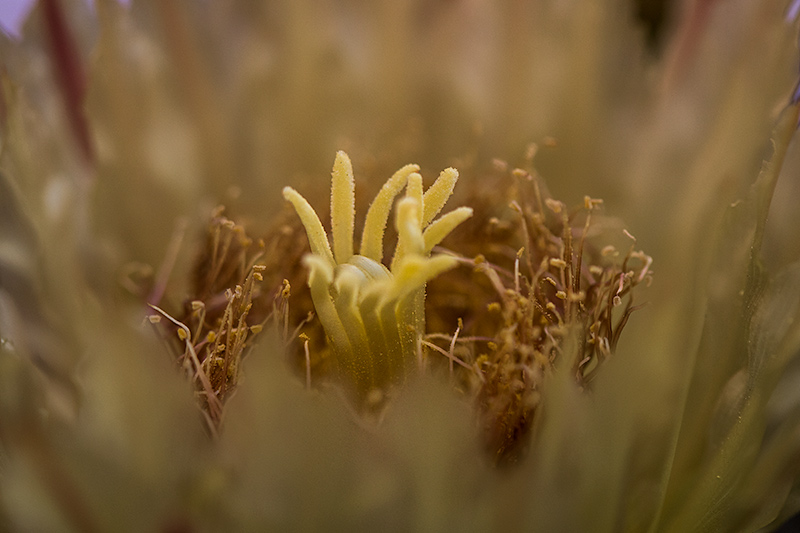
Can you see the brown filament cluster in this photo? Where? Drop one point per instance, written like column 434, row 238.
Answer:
column 548, row 274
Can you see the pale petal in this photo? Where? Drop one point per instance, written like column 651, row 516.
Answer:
column 317, row 237
column 441, row 228
column 378, row 213
column 343, row 207
column 438, row 194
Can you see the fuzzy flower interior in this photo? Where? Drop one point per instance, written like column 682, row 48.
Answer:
column 374, row 316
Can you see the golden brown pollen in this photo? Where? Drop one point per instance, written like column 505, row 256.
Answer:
column 546, row 277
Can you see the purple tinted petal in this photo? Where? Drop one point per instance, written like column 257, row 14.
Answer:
column 793, row 10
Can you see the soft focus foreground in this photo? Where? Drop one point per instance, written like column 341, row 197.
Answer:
column 123, row 128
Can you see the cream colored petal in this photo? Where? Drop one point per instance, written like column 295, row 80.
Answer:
column 380, row 336
column 373, row 270
column 438, row 194
column 414, row 190
column 343, row 207
column 409, row 233
column 414, row 271
column 378, row 213
column 320, row 276
column 317, row 237
column 441, row 228
column 349, row 280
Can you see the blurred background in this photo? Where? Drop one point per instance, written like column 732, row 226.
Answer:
column 664, row 109
column 12, row 13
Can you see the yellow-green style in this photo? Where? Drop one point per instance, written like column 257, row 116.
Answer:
column 373, row 315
